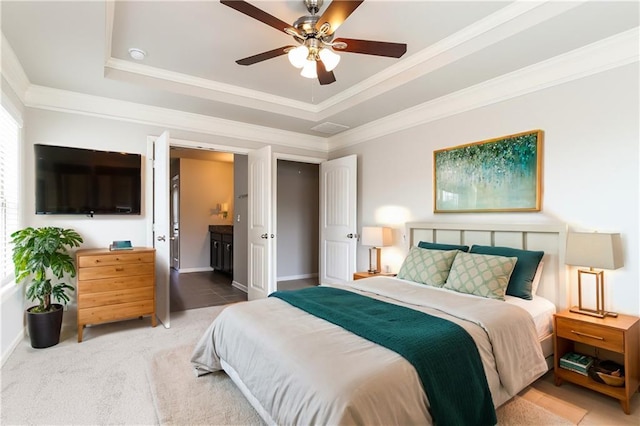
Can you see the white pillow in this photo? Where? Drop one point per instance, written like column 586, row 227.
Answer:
column 536, row 279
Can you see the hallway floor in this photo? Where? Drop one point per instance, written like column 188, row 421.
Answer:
column 201, row 289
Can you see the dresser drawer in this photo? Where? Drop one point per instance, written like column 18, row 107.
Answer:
column 110, row 284
column 115, row 297
column 115, row 312
column 114, row 271
column 115, row 259
column 591, row 334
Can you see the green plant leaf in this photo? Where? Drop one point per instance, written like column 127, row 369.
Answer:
column 40, row 252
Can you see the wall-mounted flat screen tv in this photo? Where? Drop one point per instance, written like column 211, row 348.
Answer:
column 86, row 181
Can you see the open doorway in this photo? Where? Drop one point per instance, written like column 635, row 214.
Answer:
column 239, row 208
column 203, row 198
column 297, row 207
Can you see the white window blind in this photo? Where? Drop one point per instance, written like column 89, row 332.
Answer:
column 9, row 137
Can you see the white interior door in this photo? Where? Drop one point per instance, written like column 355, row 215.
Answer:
column 161, row 232
column 338, row 215
column 260, row 277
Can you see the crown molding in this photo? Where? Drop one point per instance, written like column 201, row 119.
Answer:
column 619, row 50
column 109, row 13
column 512, row 19
column 615, row 51
column 12, row 70
column 208, row 89
column 96, row 106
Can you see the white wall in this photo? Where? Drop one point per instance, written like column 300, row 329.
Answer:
column 203, row 185
column 58, row 128
column 591, row 178
column 84, row 131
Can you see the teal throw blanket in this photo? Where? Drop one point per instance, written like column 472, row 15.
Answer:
column 443, row 353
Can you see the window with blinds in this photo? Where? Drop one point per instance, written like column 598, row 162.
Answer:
column 9, row 135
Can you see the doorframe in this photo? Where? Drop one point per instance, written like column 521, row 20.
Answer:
column 183, row 143
column 148, row 198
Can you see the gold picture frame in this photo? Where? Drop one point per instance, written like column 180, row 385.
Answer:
column 497, row 175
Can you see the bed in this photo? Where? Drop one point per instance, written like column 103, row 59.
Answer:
column 296, row 368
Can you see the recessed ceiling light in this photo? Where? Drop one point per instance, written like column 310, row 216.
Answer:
column 137, row 54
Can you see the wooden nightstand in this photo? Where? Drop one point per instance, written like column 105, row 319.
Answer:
column 365, row 274
column 587, row 335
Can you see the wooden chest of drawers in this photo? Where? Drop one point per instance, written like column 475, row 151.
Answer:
column 115, row 285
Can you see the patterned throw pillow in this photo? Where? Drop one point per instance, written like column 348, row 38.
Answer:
column 427, row 266
column 481, row 274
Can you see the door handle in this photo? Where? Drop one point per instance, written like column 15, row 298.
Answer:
column 161, row 238
column 352, row 235
column 264, row 236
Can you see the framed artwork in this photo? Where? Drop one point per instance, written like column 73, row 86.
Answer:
column 497, row 175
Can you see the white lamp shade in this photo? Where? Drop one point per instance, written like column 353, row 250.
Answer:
column 309, row 70
column 298, row 56
column 594, row 250
column 329, row 59
column 376, row 236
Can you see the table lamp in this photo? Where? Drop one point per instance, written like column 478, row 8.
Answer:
column 375, row 237
column 595, row 250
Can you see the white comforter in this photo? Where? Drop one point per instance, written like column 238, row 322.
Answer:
column 304, row 370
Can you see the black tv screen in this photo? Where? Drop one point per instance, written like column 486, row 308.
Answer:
column 85, row 181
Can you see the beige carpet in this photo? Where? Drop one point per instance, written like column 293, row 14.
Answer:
column 181, row 398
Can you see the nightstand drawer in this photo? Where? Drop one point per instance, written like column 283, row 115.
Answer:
column 591, row 334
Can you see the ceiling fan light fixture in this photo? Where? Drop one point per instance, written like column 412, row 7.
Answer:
column 298, row 56
column 309, row 70
column 329, row 58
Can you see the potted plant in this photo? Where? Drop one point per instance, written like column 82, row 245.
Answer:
column 39, row 256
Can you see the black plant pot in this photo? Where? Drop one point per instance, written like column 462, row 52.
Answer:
column 44, row 328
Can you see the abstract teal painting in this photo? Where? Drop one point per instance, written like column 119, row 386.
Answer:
column 496, row 175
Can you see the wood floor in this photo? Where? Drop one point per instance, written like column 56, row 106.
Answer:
column 201, row 289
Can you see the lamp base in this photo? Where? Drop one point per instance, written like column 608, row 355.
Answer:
column 374, row 260
column 593, row 313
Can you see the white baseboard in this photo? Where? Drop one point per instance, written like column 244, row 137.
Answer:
column 12, row 346
column 297, row 277
column 239, row 286
column 200, row 269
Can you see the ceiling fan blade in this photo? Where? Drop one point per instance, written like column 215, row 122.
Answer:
column 263, row 56
column 324, row 76
column 368, row 47
column 259, row 14
column 337, row 12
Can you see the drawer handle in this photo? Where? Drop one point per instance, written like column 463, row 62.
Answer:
column 119, row 269
column 587, row 335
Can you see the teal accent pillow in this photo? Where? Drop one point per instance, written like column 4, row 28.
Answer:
column 480, row 274
column 521, row 281
column 429, row 267
column 438, row 246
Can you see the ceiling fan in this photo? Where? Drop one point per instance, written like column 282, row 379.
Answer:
column 314, row 34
